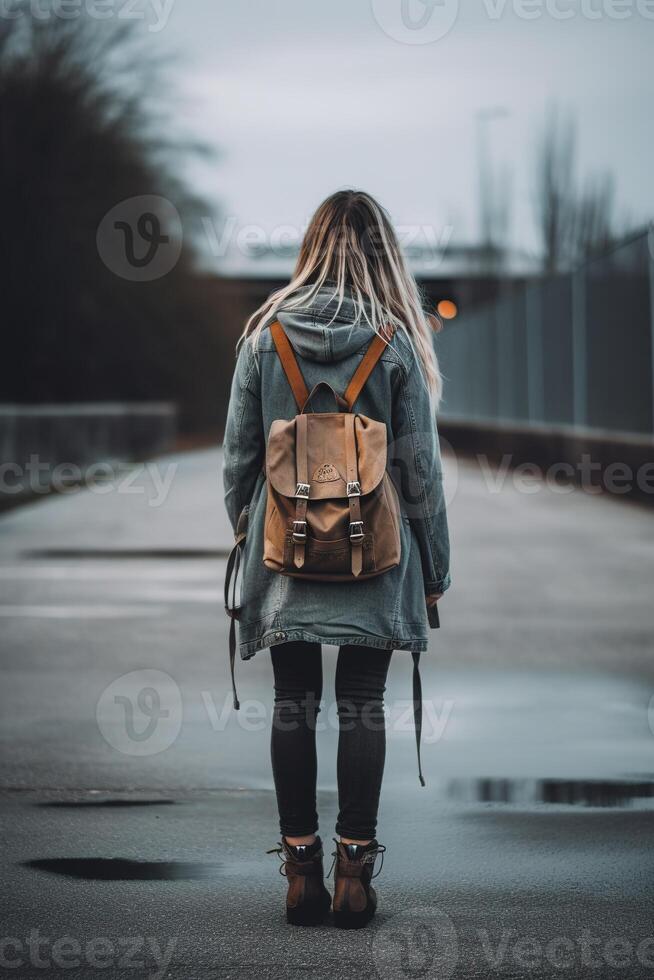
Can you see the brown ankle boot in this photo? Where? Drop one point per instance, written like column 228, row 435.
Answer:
column 307, row 899
column 355, row 900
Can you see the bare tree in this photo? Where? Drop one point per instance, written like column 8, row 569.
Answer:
column 594, row 229
column 555, row 200
column 573, row 222
column 494, row 196
column 83, row 106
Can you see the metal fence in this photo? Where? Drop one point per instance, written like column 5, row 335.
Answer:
column 568, row 351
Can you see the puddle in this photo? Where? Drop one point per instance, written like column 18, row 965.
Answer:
column 548, row 737
column 75, row 804
column 553, row 792
column 123, row 869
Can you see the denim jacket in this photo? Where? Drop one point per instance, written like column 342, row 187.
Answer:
column 389, row 611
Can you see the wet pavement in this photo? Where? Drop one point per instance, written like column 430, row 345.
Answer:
column 137, row 806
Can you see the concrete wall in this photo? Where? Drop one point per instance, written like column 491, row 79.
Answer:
column 42, row 443
column 621, row 464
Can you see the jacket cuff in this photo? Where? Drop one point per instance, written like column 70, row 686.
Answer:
column 438, row 586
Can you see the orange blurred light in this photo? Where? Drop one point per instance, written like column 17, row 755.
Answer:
column 447, row 309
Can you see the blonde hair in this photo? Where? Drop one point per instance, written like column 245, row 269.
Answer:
column 350, row 244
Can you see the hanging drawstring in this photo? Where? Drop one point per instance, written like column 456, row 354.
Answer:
column 232, row 610
column 417, row 709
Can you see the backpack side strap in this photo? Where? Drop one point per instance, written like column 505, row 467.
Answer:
column 302, row 490
column 375, row 350
column 417, row 709
column 353, row 496
column 289, row 364
column 231, row 575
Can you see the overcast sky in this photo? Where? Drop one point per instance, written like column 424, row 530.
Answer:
column 302, row 97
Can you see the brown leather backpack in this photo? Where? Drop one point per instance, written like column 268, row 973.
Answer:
column 332, row 511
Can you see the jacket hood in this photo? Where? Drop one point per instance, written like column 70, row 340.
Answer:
column 321, row 331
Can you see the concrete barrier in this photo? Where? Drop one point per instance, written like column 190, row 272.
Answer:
column 619, row 463
column 39, row 443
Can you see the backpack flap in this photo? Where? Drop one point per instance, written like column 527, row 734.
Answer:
column 326, row 455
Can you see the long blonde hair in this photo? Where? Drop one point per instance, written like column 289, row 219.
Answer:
column 350, row 244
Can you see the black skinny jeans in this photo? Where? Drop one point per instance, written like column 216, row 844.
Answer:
column 360, row 684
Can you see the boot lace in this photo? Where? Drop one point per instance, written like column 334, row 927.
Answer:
column 368, row 857
column 279, row 851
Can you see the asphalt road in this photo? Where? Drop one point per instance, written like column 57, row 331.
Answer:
column 137, row 806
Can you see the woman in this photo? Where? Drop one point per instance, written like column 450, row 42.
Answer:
column 350, row 284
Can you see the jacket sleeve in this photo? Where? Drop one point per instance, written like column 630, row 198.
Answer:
column 415, row 461
column 244, row 443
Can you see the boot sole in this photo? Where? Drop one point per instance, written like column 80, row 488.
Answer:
column 353, row 920
column 308, row 916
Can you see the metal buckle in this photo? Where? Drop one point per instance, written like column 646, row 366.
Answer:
column 302, row 490
column 353, row 489
column 356, row 535
column 301, row 535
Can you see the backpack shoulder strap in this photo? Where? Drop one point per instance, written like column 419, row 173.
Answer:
column 375, row 350
column 289, row 364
